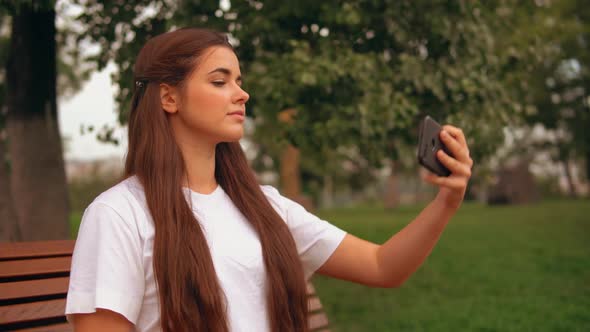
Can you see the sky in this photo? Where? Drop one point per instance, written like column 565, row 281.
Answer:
column 94, row 105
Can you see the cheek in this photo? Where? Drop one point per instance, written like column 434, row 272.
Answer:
column 206, row 100
column 204, row 110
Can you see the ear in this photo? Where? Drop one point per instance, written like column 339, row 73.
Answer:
column 169, row 98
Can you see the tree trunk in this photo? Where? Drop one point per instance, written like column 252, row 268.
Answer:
column 328, row 192
column 391, row 197
column 38, row 176
column 9, row 230
column 570, row 180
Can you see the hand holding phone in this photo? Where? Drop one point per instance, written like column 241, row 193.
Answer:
column 428, row 144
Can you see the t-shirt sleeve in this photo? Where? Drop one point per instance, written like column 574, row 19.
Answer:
column 315, row 238
column 107, row 270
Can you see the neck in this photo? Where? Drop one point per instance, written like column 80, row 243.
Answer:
column 199, row 158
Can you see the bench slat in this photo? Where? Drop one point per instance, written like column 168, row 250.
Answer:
column 36, row 249
column 31, row 267
column 32, row 311
column 317, row 321
column 314, row 304
column 30, row 288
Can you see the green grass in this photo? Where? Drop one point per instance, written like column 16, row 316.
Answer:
column 517, row 268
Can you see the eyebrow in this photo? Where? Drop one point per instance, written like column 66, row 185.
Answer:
column 225, row 71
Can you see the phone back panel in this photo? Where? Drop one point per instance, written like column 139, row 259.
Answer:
column 428, row 144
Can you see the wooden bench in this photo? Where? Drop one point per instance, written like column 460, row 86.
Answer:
column 34, row 279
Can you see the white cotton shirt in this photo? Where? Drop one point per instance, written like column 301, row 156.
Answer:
column 112, row 260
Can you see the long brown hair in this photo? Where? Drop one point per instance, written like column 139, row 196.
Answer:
column 190, row 295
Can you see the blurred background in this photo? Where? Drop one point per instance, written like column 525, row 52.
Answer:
column 337, row 91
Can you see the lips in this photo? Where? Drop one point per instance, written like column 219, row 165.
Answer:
column 242, row 113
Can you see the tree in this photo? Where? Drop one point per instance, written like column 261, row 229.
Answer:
column 9, row 228
column 360, row 73
column 38, row 183
column 553, row 83
column 563, row 81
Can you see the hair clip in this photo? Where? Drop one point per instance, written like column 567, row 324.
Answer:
column 139, row 84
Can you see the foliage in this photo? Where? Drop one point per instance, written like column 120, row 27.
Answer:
column 560, row 84
column 359, row 73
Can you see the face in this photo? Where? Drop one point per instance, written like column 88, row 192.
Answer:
column 211, row 106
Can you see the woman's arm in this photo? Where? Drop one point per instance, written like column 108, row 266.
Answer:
column 101, row 320
column 390, row 264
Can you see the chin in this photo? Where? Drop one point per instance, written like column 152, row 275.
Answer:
column 232, row 137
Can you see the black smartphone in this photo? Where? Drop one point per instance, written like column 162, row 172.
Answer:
column 428, row 144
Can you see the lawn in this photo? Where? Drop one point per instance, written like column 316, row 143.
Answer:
column 519, row 268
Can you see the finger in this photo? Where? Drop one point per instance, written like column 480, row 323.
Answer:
column 456, row 133
column 449, row 182
column 453, row 164
column 458, row 150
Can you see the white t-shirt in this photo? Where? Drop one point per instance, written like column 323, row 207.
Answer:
column 112, row 260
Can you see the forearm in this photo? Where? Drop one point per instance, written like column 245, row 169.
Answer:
column 405, row 251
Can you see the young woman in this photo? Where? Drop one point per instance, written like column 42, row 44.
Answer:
column 189, row 241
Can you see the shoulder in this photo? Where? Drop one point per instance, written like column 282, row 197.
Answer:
column 287, row 208
column 278, row 201
column 270, row 191
column 121, row 195
column 123, row 202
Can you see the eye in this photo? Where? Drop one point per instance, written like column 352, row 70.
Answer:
column 218, row 83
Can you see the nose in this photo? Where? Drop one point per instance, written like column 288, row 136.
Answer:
column 241, row 96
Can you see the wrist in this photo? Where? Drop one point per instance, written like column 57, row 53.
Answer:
column 449, row 201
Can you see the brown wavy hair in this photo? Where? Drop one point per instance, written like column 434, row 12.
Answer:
column 190, row 295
